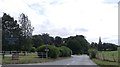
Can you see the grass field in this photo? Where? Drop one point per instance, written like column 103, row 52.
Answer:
column 29, row 58
column 105, row 63
column 108, row 58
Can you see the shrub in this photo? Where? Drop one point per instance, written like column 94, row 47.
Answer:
column 92, row 53
column 65, row 51
column 33, row 49
column 52, row 53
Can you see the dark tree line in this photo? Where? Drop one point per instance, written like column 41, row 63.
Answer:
column 104, row 46
column 78, row 44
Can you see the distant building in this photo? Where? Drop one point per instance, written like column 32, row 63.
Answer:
column 100, row 42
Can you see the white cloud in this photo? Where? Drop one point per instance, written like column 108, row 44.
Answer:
column 63, row 17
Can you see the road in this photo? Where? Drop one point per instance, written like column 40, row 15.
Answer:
column 75, row 60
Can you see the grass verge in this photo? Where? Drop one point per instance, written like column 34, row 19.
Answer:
column 105, row 63
column 29, row 58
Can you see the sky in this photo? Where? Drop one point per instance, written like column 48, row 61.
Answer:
column 64, row 18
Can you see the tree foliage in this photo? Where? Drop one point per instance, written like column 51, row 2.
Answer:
column 27, row 30
column 65, row 51
column 78, row 44
column 11, row 33
column 52, row 53
column 58, row 41
column 104, row 46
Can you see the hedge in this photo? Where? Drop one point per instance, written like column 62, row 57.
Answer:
column 92, row 53
column 52, row 53
column 65, row 51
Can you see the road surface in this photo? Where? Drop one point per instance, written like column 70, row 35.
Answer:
column 74, row 60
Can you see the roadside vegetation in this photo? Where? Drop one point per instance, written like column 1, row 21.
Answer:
column 29, row 58
column 105, row 58
column 17, row 36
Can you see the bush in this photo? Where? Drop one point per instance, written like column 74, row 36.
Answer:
column 52, row 53
column 33, row 49
column 65, row 51
column 92, row 53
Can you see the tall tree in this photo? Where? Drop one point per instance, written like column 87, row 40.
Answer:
column 47, row 39
column 27, row 29
column 58, row 41
column 93, row 45
column 10, row 33
column 78, row 44
column 37, row 41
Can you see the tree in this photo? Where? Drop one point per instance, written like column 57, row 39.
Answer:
column 109, row 47
column 11, row 33
column 47, row 39
column 74, row 45
column 78, row 44
column 58, row 41
column 27, row 30
column 93, row 45
column 37, row 41
column 84, row 43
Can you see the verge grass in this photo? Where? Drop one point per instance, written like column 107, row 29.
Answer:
column 29, row 58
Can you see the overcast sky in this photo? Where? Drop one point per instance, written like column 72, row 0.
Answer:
column 91, row 18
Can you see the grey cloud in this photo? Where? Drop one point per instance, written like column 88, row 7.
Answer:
column 81, row 30
column 111, row 39
column 37, row 7
column 60, row 31
column 47, row 27
column 40, row 7
column 51, row 30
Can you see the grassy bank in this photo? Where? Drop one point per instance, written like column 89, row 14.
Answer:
column 105, row 63
column 107, row 58
column 29, row 58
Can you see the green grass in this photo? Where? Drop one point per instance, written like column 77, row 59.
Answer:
column 108, row 55
column 29, row 58
column 105, row 63
column 100, row 62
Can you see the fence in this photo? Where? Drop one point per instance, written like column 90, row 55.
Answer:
column 10, row 55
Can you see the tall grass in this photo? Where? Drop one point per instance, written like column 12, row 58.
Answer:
column 109, row 55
